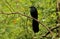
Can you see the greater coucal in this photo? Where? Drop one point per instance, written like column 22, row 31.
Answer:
column 34, row 14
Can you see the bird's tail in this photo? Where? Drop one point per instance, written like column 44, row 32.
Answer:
column 35, row 25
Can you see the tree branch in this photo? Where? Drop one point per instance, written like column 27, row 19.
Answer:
column 51, row 30
column 31, row 18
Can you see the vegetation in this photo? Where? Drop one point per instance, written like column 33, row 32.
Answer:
column 16, row 26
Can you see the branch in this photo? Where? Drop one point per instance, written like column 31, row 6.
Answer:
column 51, row 30
column 31, row 18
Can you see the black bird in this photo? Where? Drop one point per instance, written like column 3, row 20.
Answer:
column 34, row 14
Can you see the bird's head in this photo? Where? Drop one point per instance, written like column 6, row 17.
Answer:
column 32, row 7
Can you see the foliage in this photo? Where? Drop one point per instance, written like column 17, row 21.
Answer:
column 16, row 26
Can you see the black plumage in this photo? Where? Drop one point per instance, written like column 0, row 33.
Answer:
column 34, row 14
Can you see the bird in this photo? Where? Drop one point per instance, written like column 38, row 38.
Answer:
column 34, row 14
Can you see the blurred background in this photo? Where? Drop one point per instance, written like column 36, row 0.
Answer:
column 16, row 26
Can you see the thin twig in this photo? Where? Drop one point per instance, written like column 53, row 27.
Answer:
column 9, row 5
